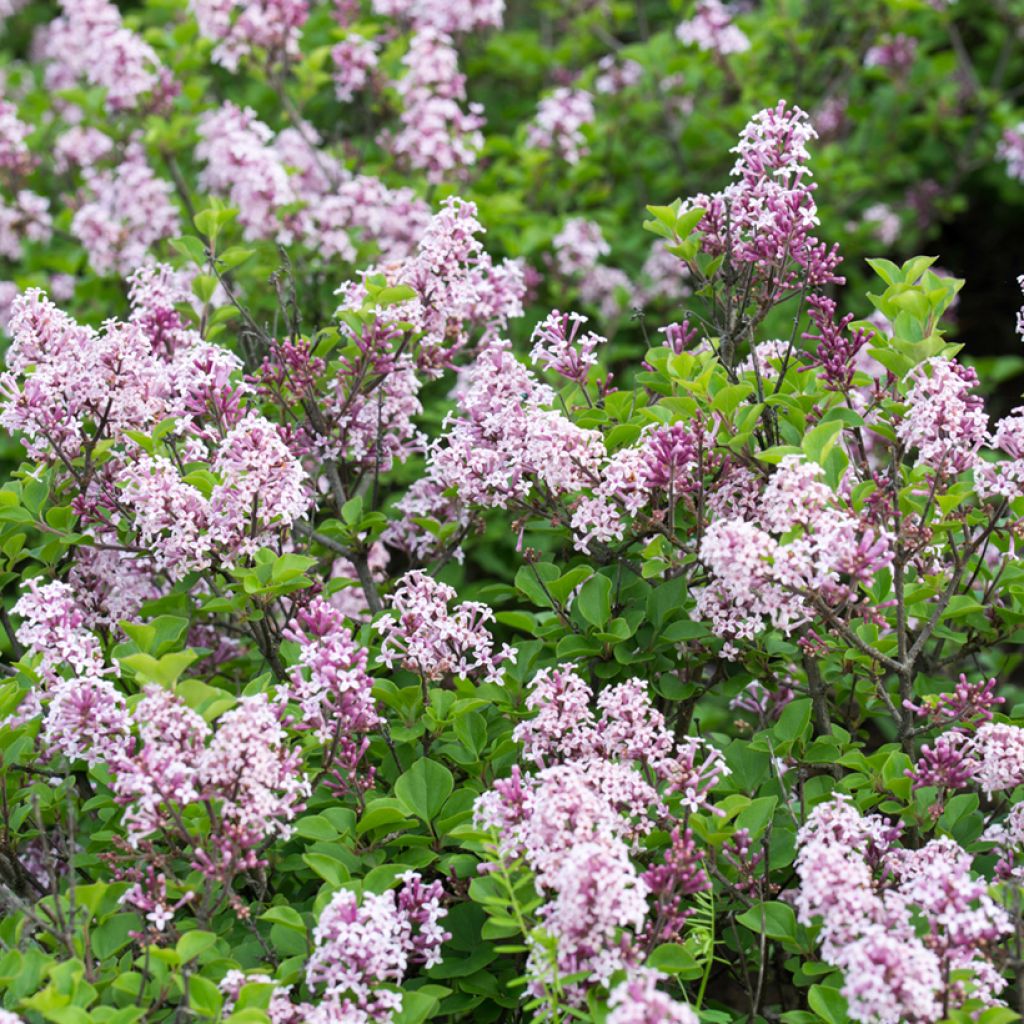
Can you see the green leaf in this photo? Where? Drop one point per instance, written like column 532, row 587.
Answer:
column 561, row 588
column 416, row 1008
column 203, row 287
column 529, row 578
column 234, row 256
column 331, row 870
column 886, row 270
column 204, row 997
column 352, row 510
column 756, row 815
column 828, row 1003
column 193, row 944
column 314, row 826
column 794, row 721
column 595, row 600
column 775, row 919
column 688, row 221
column 164, row 671
column 383, row 811
column 114, row 934
column 191, row 247
column 672, row 958
column 424, row 788
column 728, row 398
column 208, row 221
column 821, row 440
column 287, row 916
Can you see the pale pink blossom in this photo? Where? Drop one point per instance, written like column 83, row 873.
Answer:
column 89, row 41
column 123, row 213
column 559, row 122
column 452, row 16
column 712, row 28
column 434, row 641
column 354, row 60
column 242, row 27
column 438, row 135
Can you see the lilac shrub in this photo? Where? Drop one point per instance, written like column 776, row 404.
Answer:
column 388, row 638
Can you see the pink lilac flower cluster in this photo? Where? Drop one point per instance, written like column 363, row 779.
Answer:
column 8, row 8
column 766, row 359
column 15, row 158
column 62, row 377
column 241, row 27
column 996, row 755
column 869, row 895
column 354, row 60
column 966, row 706
column 1011, row 150
column 9, row 291
column 89, row 41
column 244, row 770
column 830, row 117
column 1004, row 479
column 26, row 219
column 280, row 1008
column 437, row 136
column 361, row 945
column 435, row 641
column 763, row 222
column 666, row 465
column 68, row 386
column 149, row 896
column 427, row 499
column 712, row 28
column 558, row 126
column 155, row 290
column 124, row 211
column 452, row 16
column 392, row 219
column 86, row 717
column 260, row 491
column 261, row 485
column 579, row 247
column 241, row 163
column 632, row 729
column 112, row 584
column 459, row 289
column 766, row 704
column 637, row 1000
column 884, row 222
column 800, row 543
column 944, row 765
column 615, row 76
column 838, row 347
column 577, row 819
column 945, row 423
column 672, row 882
column 332, row 688
column 285, row 187
column 1008, row 839
column 504, row 445
column 560, row 345
column 81, row 147
column 575, row 824
column 894, row 53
